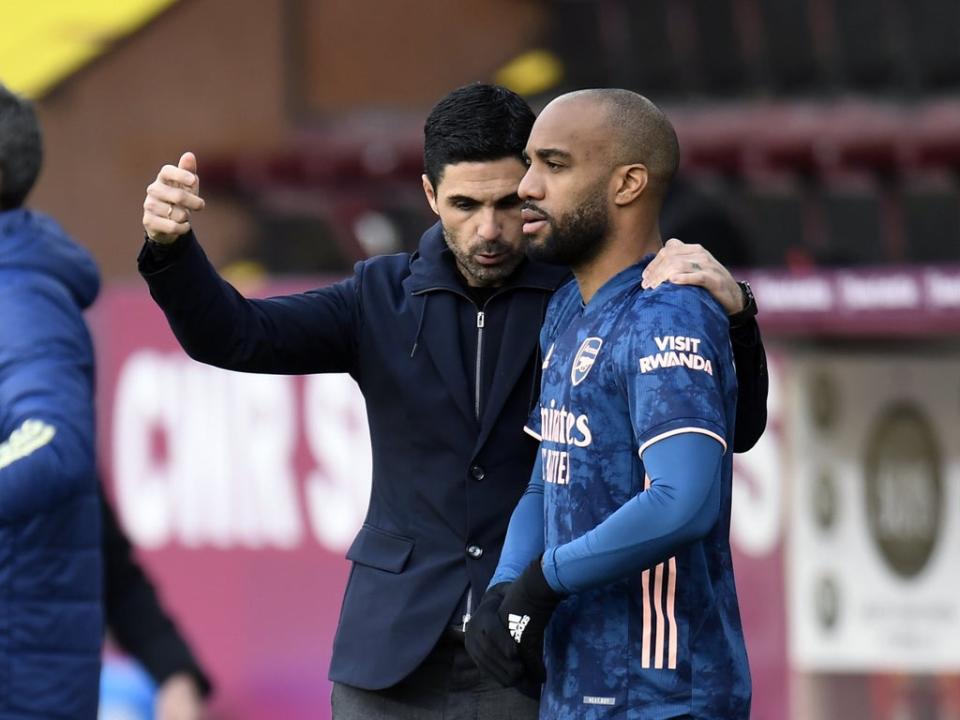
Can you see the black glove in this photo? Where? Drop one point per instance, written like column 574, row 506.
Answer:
column 488, row 642
column 525, row 611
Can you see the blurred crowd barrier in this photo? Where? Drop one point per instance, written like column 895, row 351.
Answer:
column 243, row 493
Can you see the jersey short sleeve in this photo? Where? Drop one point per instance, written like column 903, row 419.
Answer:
column 673, row 366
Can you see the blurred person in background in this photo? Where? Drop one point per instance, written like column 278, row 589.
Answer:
column 51, row 613
column 143, row 628
column 443, row 344
column 617, row 569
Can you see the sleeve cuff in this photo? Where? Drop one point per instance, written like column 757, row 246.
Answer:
column 549, row 567
column 746, row 334
column 678, row 427
column 155, row 257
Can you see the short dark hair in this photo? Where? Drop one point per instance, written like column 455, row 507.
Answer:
column 475, row 123
column 21, row 149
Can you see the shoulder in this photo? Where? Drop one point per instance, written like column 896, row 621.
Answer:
column 682, row 304
column 40, row 313
column 671, row 317
column 379, row 277
column 380, row 267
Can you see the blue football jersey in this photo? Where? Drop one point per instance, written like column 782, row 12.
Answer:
column 630, row 368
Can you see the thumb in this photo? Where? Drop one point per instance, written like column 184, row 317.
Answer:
column 672, row 242
column 188, row 162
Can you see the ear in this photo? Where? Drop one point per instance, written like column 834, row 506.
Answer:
column 429, row 192
column 630, row 182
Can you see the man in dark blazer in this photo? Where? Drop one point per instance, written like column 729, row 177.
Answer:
column 443, row 344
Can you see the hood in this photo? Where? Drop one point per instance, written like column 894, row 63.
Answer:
column 31, row 241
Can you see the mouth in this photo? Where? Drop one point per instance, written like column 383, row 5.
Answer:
column 488, row 258
column 533, row 220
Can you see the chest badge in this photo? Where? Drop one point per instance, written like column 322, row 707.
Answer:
column 584, row 359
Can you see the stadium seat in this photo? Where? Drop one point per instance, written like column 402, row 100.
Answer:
column 790, row 48
column 931, row 216
column 867, row 46
column 776, row 216
column 854, row 233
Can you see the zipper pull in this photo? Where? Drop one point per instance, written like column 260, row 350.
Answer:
column 480, row 319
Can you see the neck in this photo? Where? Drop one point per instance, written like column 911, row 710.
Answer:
column 622, row 250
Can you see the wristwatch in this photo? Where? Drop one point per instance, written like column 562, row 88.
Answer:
column 749, row 306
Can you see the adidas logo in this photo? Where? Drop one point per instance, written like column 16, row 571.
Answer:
column 517, row 624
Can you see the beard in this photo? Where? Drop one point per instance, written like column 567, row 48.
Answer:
column 476, row 273
column 575, row 238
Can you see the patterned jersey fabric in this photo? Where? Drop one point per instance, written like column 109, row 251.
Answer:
column 627, row 370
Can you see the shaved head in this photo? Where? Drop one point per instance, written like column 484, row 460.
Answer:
column 637, row 132
column 599, row 166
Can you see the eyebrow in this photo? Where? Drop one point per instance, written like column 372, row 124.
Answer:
column 509, row 197
column 553, row 154
column 461, row 198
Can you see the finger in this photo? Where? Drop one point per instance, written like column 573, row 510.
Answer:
column 507, row 672
column 165, row 210
column 179, row 215
column 155, row 226
column 665, row 267
column 700, row 278
column 175, row 195
column 535, row 669
column 173, row 175
column 188, row 162
column 682, row 250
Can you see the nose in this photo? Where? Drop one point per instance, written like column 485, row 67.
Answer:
column 489, row 226
column 530, row 188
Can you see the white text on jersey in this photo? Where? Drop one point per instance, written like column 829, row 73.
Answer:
column 676, row 351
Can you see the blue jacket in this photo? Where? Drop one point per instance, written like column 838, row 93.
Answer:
column 51, row 622
column 448, row 467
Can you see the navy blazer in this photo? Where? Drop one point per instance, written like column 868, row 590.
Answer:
column 444, row 482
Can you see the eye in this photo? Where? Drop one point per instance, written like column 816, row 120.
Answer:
column 553, row 166
column 465, row 205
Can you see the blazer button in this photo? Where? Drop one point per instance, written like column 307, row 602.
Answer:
column 477, row 473
column 474, row 551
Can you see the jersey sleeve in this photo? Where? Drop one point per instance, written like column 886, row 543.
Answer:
column 680, row 505
column 673, row 365
column 524, row 540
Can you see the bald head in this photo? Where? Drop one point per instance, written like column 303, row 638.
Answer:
column 635, row 131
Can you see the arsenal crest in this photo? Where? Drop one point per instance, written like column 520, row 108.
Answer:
column 584, row 359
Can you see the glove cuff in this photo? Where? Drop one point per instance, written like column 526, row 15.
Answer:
column 537, row 587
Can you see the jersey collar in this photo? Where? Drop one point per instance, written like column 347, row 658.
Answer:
column 626, row 278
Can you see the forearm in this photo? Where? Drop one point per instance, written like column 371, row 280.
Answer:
column 42, row 462
column 524, row 540
column 215, row 324
column 680, row 505
column 47, row 436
